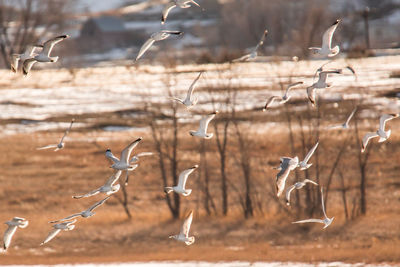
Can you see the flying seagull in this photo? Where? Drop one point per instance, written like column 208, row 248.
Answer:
column 28, row 53
column 282, row 100
column 350, row 68
column 180, row 188
column 61, row 144
column 137, row 157
column 346, row 124
column 381, row 133
column 202, row 131
column 326, row 221
column 189, row 101
column 44, row 55
column 158, row 36
column 287, row 165
column 84, row 214
column 123, row 163
column 320, row 84
column 108, row 188
column 287, row 96
column 12, row 227
column 326, row 49
column 184, row 234
column 297, row 185
column 176, row 3
column 270, row 101
column 303, row 164
column 66, row 226
column 253, row 53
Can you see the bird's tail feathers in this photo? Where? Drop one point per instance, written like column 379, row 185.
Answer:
column 191, row 241
column 168, row 190
column 187, row 192
column 335, row 51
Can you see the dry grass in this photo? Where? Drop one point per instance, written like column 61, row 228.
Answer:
column 38, row 185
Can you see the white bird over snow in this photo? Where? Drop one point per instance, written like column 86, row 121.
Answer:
column 297, row 185
column 287, row 165
column 346, row 124
column 84, row 214
column 158, row 36
column 282, row 100
column 44, row 55
column 12, row 227
column 108, row 188
column 180, row 188
column 326, row 48
column 176, row 3
column 381, row 133
column 320, row 84
column 28, row 53
column 326, row 221
column 184, row 233
column 65, row 226
column 270, row 101
column 350, row 68
column 286, row 97
column 303, row 165
column 253, row 54
column 123, row 163
column 202, row 131
column 61, row 144
column 189, row 101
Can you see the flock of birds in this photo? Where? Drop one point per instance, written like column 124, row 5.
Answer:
column 128, row 163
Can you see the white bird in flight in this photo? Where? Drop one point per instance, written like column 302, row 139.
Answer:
column 123, row 163
column 12, row 227
column 326, row 221
column 84, row 214
column 346, row 124
column 286, row 97
column 282, row 100
column 253, row 54
column 137, row 157
column 176, row 3
column 303, row 165
column 326, row 48
column 108, row 188
column 320, row 84
column 297, row 185
column 158, row 36
column 61, row 144
column 381, row 133
column 65, row 226
column 202, row 131
column 28, row 53
column 287, row 165
column 184, row 233
column 189, row 101
column 350, row 68
column 44, row 55
column 180, row 188
column 270, row 101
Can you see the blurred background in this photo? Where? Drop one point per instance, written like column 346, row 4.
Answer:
column 114, row 100
column 115, row 29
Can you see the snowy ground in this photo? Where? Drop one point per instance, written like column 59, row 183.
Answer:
column 33, row 103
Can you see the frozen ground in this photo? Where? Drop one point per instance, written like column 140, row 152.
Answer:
column 32, row 103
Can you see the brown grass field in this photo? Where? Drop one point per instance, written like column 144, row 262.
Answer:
column 38, row 185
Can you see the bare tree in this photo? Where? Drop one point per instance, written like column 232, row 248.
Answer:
column 24, row 22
